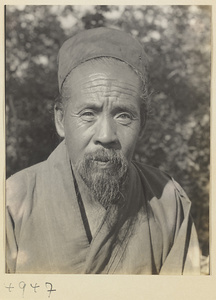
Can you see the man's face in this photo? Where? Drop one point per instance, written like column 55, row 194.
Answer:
column 102, row 110
column 102, row 117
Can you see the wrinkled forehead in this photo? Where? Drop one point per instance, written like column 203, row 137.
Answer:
column 103, row 73
column 100, row 42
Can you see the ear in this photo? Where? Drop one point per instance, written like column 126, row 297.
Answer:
column 142, row 130
column 59, row 120
column 140, row 136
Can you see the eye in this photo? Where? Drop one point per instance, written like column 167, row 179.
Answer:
column 88, row 115
column 124, row 118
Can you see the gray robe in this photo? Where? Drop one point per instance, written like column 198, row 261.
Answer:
column 152, row 234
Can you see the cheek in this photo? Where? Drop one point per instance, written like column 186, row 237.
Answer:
column 128, row 139
column 77, row 136
column 73, row 126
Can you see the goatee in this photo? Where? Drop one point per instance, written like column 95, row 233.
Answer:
column 105, row 173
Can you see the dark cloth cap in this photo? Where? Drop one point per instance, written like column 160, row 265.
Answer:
column 100, row 42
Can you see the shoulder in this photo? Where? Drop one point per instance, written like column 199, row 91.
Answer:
column 17, row 181
column 19, row 186
column 153, row 179
column 167, row 203
column 22, row 186
column 152, row 172
column 161, row 190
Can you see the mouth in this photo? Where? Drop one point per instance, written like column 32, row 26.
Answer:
column 103, row 162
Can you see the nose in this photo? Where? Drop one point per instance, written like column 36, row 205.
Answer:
column 105, row 134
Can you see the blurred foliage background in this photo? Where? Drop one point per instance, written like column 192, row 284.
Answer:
column 177, row 41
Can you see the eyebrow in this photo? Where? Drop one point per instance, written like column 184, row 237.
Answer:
column 127, row 108
column 91, row 105
column 115, row 108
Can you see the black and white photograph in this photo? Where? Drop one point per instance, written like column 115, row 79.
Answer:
column 107, row 140
column 127, row 89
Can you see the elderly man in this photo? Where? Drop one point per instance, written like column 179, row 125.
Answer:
column 89, row 208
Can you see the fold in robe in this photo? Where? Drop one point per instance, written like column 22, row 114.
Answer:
column 152, row 234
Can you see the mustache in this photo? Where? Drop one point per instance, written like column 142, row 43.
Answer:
column 106, row 155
